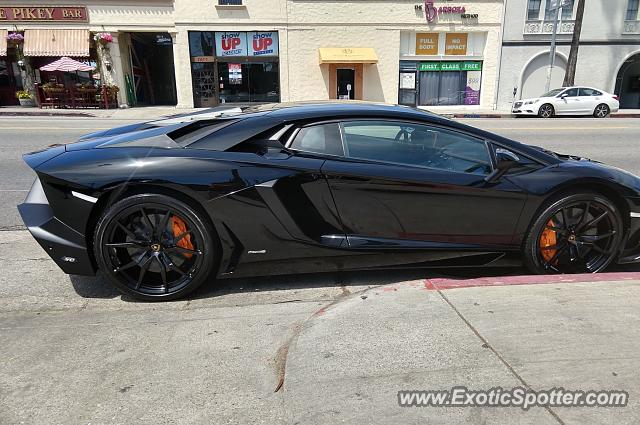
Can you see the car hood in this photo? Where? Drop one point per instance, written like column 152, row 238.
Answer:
column 535, row 99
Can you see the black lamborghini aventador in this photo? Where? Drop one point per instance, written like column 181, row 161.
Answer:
column 161, row 207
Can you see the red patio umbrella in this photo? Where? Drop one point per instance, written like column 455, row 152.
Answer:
column 66, row 64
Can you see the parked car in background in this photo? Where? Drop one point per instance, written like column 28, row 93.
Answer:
column 569, row 101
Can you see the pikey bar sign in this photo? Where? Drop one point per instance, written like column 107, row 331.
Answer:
column 44, row 13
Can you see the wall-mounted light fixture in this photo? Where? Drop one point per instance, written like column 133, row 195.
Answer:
column 107, row 64
column 21, row 64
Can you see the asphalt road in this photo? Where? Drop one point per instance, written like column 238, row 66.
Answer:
column 613, row 141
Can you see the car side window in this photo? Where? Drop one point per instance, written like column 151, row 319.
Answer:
column 570, row 93
column 322, row 139
column 589, row 92
column 416, row 145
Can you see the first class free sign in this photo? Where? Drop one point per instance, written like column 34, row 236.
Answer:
column 43, row 14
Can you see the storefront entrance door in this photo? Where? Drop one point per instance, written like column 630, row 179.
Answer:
column 346, row 79
column 7, row 83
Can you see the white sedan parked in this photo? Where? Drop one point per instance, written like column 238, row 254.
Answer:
column 569, row 101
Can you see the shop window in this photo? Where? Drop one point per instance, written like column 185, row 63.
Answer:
column 449, row 87
column 234, row 67
column 249, row 82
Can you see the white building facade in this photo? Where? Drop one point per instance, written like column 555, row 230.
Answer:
column 609, row 54
column 199, row 53
column 415, row 53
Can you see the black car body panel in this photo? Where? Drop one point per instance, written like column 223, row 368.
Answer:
column 279, row 211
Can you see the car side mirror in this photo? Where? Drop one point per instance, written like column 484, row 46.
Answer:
column 505, row 161
column 564, row 95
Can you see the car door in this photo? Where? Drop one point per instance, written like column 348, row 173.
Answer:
column 567, row 102
column 416, row 185
column 589, row 99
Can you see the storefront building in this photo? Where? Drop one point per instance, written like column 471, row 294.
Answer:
column 129, row 47
column 608, row 59
column 234, row 67
column 443, row 69
column 201, row 53
column 292, row 50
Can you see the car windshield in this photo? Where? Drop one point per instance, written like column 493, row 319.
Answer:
column 552, row 93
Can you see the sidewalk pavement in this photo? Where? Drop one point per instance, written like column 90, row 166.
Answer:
column 278, row 350
column 153, row 112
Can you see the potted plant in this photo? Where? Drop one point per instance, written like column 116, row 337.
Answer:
column 15, row 38
column 103, row 38
column 25, row 98
column 53, row 87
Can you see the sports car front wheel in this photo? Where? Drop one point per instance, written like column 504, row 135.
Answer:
column 576, row 233
column 154, row 247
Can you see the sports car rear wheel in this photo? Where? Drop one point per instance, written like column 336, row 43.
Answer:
column 578, row 233
column 154, row 247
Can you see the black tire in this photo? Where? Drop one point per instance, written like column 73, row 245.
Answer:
column 145, row 258
column 580, row 246
column 546, row 111
column 601, row 111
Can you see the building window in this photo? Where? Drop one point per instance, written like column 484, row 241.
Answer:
column 230, row 2
column 567, row 10
column 533, row 10
column 441, row 83
column 632, row 10
column 230, row 67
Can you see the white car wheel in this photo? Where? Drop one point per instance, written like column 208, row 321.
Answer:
column 601, row 111
column 546, row 111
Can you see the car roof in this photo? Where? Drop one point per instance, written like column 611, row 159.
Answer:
column 318, row 109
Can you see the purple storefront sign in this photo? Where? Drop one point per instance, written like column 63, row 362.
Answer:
column 472, row 90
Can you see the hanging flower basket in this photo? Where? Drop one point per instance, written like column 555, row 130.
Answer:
column 103, row 38
column 15, row 38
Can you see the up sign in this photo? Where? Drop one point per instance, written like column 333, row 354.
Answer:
column 231, row 43
column 263, row 43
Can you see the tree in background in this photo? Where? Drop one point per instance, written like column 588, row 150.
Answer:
column 570, row 75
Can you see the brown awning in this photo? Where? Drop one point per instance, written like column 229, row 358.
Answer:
column 41, row 42
column 3, row 42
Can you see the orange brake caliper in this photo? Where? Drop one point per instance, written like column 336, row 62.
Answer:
column 178, row 226
column 547, row 239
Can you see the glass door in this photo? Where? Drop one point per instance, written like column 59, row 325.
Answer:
column 346, row 80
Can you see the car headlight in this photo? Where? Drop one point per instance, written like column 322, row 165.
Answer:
column 531, row 102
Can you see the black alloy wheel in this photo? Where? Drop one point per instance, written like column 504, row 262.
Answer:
column 601, row 111
column 154, row 247
column 546, row 111
column 578, row 233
